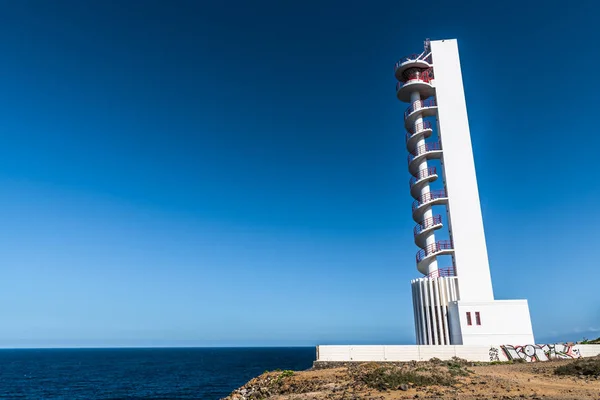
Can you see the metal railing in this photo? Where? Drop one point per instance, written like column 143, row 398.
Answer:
column 422, row 149
column 442, row 272
column 421, row 126
column 433, row 248
column 419, row 104
column 427, row 223
column 412, row 57
column 424, row 173
column 416, row 75
column 404, row 59
column 428, row 197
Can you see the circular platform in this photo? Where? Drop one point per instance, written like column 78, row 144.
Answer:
column 408, row 62
column 404, row 90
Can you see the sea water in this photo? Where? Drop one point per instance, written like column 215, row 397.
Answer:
column 159, row 373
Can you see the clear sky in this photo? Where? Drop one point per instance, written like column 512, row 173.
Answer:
column 234, row 173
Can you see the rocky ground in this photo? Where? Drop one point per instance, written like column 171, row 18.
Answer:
column 457, row 379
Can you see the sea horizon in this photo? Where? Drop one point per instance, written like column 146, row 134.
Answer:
column 140, row 372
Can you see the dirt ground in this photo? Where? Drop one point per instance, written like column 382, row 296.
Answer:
column 501, row 381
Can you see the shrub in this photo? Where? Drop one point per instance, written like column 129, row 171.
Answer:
column 593, row 341
column 383, row 378
column 284, row 374
column 457, row 369
column 287, row 373
column 580, row 367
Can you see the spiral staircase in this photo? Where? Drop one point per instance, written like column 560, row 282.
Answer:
column 416, row 86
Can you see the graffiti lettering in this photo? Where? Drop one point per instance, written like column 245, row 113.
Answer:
column 539, row 352
column 494, row 354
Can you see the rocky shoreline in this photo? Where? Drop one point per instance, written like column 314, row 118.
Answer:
column 434, row 379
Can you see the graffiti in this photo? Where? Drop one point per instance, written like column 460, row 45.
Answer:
column 494, row 354
column 540, row 352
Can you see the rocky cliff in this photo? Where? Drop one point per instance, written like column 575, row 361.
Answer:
column 435, row 379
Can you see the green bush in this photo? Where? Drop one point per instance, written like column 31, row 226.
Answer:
column 593, row 341
column 287, row 373
column 284, row 374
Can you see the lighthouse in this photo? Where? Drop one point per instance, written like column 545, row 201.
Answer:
column 453, row 298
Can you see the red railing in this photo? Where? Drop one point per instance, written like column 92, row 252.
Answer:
column 415, row 75
column 411, row 57
column 421, row 126
column 442, row 272
column 429, row 196
column 433, row 248
column 419, row 74
column 417, row 105
column 424, row 148
column 427, row 223
column 422, row 174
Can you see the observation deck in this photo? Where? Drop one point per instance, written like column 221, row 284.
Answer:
column 415, row 80
column 421, row 61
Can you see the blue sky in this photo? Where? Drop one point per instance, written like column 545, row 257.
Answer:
column 234, row 173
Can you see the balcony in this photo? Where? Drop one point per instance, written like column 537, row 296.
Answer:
column 415, row 80
column 411, row 61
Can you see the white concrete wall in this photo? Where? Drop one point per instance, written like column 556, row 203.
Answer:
column 465, row 220
column 401, row 353
column 454, row 323
column 430, row 306
column 589, row 350
column 492, row 352
column 502, row 321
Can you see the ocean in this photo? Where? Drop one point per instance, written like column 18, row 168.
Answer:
column 160, row 373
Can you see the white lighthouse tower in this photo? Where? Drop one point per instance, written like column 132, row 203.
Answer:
column 453, row 302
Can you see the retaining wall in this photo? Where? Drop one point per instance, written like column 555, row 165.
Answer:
column 529, row 353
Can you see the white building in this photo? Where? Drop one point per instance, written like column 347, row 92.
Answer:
column 454, row 304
